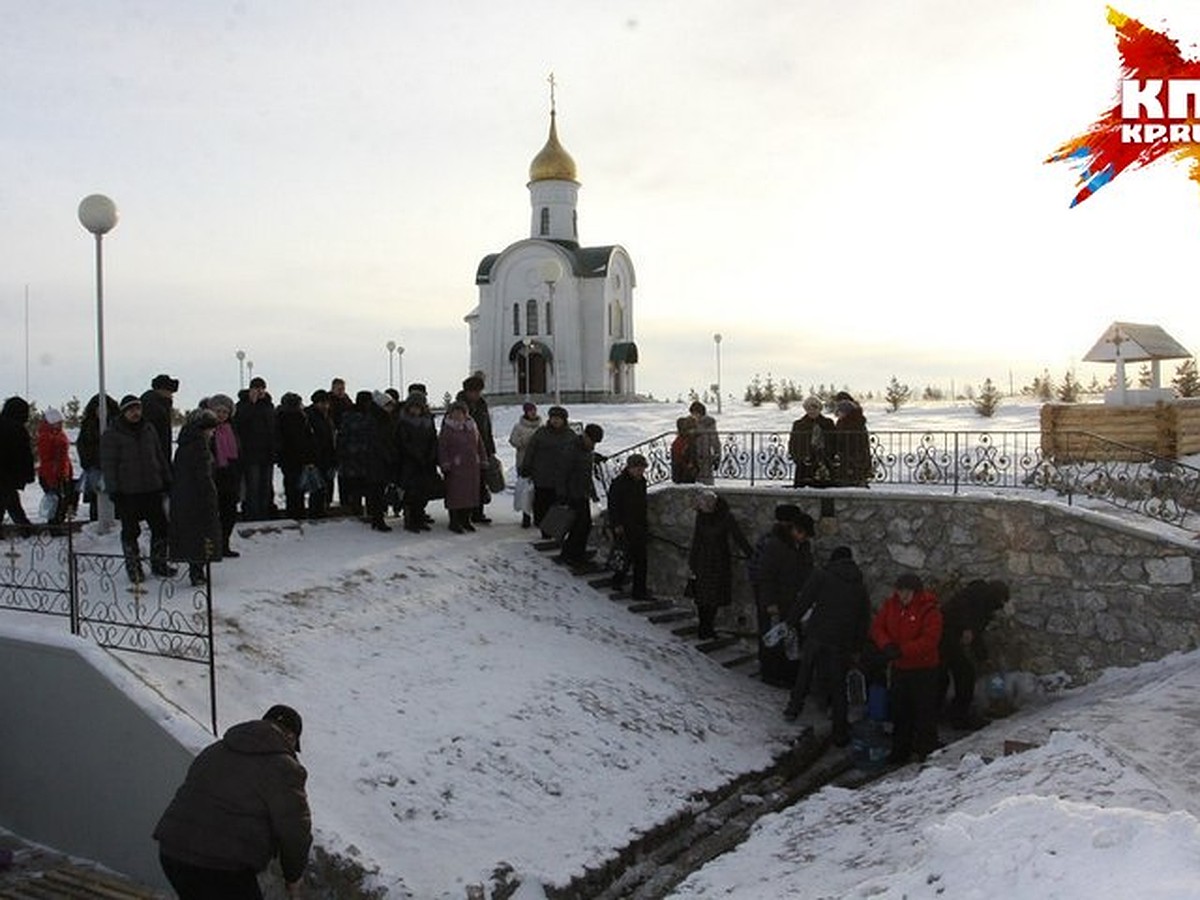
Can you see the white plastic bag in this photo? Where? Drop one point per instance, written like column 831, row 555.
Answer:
column 49, row 505
column 776, row 634
column 523, row 496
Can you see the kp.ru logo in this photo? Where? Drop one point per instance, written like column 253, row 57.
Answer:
column 1158, row 113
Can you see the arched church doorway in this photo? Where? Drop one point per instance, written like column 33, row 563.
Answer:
column 532, row 362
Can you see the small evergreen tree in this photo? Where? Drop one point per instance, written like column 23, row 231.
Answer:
column 1145, row 376
column 897, row 394
column 71, row 416
column 933, row 393
column 1187, row 380
column 1069, row 390
column 988, row 399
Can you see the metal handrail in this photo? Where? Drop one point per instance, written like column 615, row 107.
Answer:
column 1083, row 465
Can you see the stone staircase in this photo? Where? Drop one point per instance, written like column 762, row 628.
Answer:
column 737, row 652
column 32, row 872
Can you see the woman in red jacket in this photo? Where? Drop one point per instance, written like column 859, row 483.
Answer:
column 54, row 470
column 907, row 630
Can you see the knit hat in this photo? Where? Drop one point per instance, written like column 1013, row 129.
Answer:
column 636, row 461
column 52, row 416
column 221, row 401
column 320, row 395
column 165, row 382
column 528, row 408
column 474, row 383
column 787, row 512
column 841, row 553
column 130, row 400
column 595, row 432
column 909, row 582
column 381, row 399
column 559, row 411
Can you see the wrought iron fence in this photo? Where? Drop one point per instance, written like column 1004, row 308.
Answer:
column 1085, row 465
column 41, row 572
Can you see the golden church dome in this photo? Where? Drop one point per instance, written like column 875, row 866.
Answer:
column 552, row 163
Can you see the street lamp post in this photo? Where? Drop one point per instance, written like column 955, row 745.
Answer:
column 250, row 368
column 400, row 364
column 551, row 271
column 98, row 214
column 391, row 348
column 241, row 358
column 717, row 341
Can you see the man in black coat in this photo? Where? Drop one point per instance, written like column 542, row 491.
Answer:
column 780, row 565
column 16, row 460
column 833, row 637
column 965, row 617
column 543, row 461
column 158, row 405
column 627, row 517
column 254, row 422
column 577, row 489
column 242, row 803
column 321, row 424
column 136, row 477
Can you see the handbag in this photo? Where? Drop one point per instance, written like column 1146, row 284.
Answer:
column 493, row 475
column 437, row 486
column 558, row 521
column 618, row 557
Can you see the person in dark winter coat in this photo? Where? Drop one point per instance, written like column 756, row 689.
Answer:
column 296, row 449
column 16, row 460
column 460, row 456
column 321, row 424
column 254, row 421
column 711, row 559
column 628, row 519
column 472, row 395
column 87, row 445
column 577, row 488
column 158, row 409
column 852, row 444
column 907, row 630
column 965, row 618
column 811, row 446
column 242, row 803
column 783, row 561
column 365, row 454
column 836, row 631
column 137, row 477
column 417, row 451
column 544, row 460
column 195, row 527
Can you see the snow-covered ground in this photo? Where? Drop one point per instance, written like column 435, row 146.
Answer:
column 468, row 703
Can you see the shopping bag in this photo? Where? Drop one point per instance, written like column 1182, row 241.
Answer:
column 523, row 496
column 558, row 521
column 493, row 475
column 49, row 505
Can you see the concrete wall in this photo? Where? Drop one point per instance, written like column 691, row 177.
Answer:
column 1089, row 590
column 85, row 766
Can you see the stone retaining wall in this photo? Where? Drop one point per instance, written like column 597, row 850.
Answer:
column 1089, row 591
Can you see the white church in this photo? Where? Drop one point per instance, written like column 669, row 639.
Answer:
column 554, row 320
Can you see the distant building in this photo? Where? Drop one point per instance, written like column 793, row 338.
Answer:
column 555, row 318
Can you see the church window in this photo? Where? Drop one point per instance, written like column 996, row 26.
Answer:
column 575, row 224
column 516, row 319
column 545, row 220
column 549, row 321
column 531, row 316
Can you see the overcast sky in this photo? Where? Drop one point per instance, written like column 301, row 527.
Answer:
column 845, row 189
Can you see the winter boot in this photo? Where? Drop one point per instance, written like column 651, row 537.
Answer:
column 133, row 562
column 158, row 561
